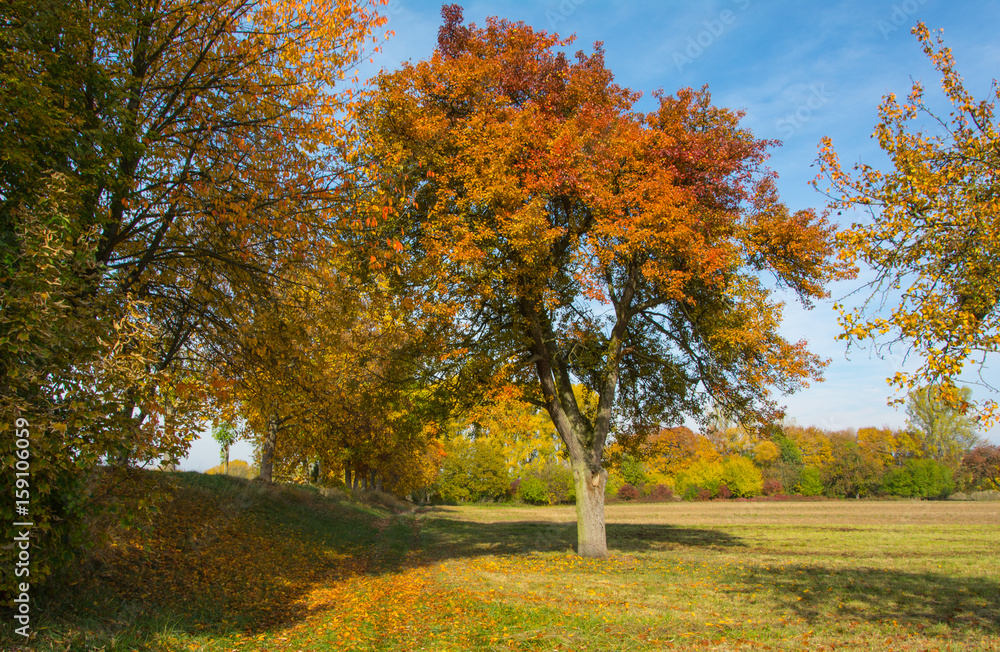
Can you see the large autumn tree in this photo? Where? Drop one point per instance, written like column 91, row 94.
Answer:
column 160, row 158
column 933, row 238
column 582, row 240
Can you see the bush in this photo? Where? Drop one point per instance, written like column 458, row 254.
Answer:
column 981, row 466
column 850, row 473
column 810, row 483
column 695, row 492
column 473, row 470
column 552, row 484
column 661, row 492
column 741, row 477
column 237, row 468
column 628, row 492
column 533, row 490
column 772, row 487
column 700, row 475
column 920, row 479
column 724, row 492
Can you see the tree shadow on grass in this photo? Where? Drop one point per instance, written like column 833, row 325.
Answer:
column 813, row 593
column 447, row 538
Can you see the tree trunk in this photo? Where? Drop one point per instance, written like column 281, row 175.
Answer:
column 347, row 477
column 267, row 450
column 227, row 460
column 591, row 539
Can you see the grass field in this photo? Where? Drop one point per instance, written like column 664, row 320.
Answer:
column 234, row 565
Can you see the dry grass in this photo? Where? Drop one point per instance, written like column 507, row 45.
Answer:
column 232, row 565
column 808, row 575
column 725, row 513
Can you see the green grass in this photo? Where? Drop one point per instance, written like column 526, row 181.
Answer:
column 235, row 565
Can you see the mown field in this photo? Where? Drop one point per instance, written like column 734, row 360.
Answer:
column 234, row 565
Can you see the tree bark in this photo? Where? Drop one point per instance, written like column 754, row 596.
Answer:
column 267, row 450
column 591, row 538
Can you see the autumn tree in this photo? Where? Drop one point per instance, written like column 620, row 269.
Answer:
column 225, row 435
column 581, row 240
column 888, row 447
column 521, row 430
column 69, row 358
column 326, row 370
column 159, row 159
column 944, row 432
column 982, row 466
column 849, row 472
column 933, row 240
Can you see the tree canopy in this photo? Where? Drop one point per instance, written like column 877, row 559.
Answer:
column 945, row 432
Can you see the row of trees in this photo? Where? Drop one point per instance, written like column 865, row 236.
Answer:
column 168, row 189
column 511, row 451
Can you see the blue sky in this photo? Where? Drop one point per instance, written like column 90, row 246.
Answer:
column 801, row 71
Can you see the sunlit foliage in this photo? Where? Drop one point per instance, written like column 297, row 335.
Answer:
column 933, row 240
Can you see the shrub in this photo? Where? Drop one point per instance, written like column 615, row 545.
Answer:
column 694, row 492
column 850, row 473
column 701, row 475
column 741, row 477
column 661, row 492
column 724, row 491
column 810, row 483
column 533, row 490
column 473, row 470
column 772, row 487
column 628, row 492
column 237, row 468
column 556, row 482
column 982, row 467
column 920, row 479
column 613, row 484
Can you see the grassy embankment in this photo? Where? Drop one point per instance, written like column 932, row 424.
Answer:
column 233, row 565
